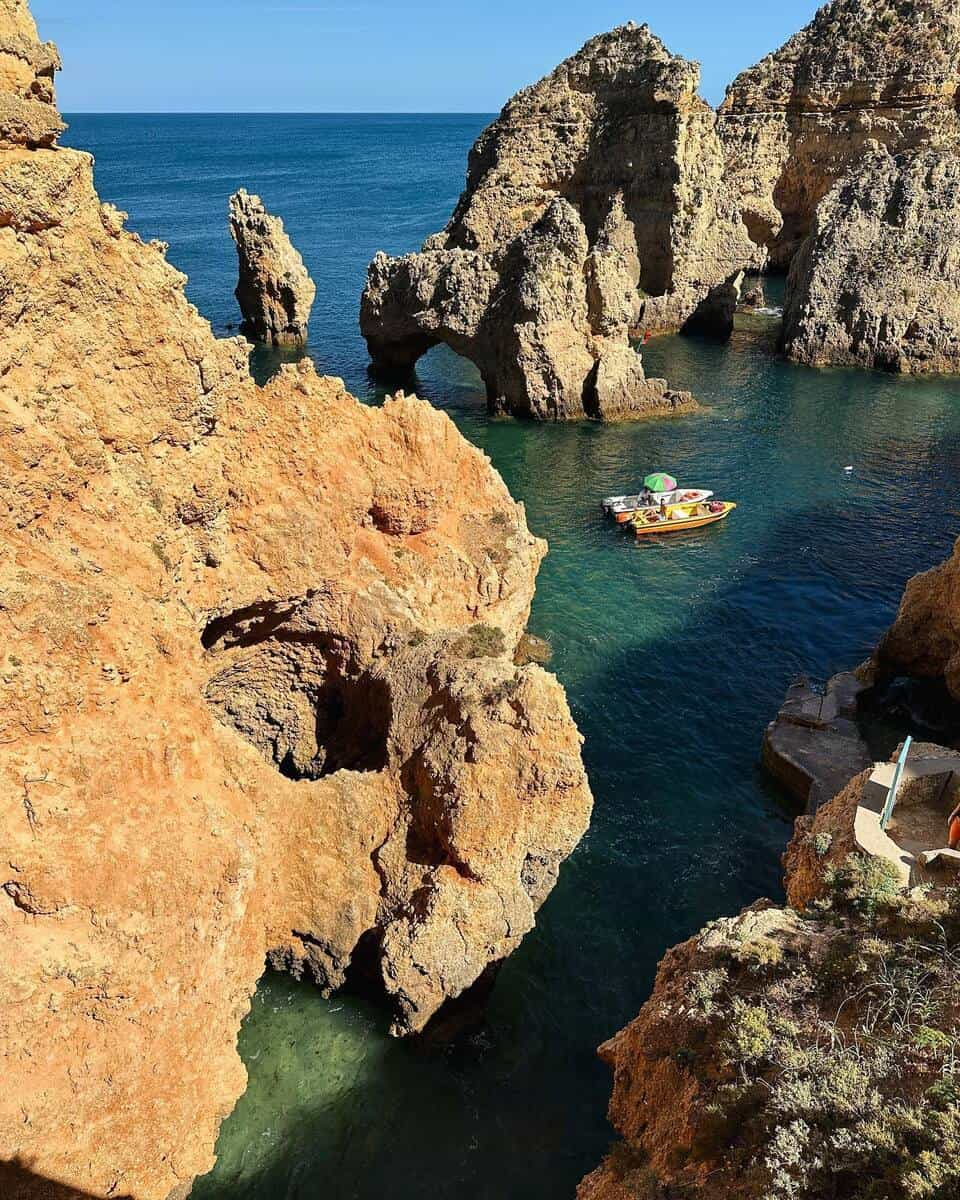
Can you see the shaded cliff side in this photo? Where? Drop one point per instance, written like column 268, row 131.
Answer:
column 258, row 695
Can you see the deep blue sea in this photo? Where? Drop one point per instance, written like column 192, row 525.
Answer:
column 675, row 654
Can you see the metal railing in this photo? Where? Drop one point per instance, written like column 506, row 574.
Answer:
column 895, row 785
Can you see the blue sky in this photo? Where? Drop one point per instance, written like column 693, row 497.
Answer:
column 372, row 55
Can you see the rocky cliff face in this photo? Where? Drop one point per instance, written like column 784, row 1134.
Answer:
column 253, row 703
column 862, row 73
column 789, row 1055
column 924, row 641
column 877, row 282
column 605, row 177
column 275, row 292
column 28, row 113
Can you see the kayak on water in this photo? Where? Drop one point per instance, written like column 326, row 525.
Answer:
column 680, row 517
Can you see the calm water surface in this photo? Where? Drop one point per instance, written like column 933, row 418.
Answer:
column 802, row 578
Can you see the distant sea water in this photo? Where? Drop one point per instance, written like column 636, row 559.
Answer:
column 675, row 654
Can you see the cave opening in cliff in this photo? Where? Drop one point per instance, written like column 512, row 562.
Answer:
column 297, row 696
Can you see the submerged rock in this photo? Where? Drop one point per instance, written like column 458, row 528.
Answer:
column 877, row 282
column 261, row 701
column 862, row 73
column 275, row 291
column 595, row 205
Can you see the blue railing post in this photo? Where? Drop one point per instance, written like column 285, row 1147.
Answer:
column 895, row 785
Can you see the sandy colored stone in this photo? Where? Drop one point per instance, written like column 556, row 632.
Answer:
column 595, row 205
column 877, row 282
column 257, row 698
column 862, row 73
column 28, row 111
column 275, row 291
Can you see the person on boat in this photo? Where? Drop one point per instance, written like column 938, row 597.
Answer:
column 646, row 497
column 663, row 507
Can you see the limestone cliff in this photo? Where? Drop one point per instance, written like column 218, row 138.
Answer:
column 924, row 641
column 791, row 1055
column 862, row 73
column 275, row 292
column 28, row 112
column 595, row 204
column 877, row 282
column 257, row 694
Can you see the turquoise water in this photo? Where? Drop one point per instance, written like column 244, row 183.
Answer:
column 803, row 578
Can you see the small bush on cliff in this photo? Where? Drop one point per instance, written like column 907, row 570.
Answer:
column 864, row 883
column 481, row 641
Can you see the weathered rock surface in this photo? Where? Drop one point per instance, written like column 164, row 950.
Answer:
column 924, row 641
column 814, row 746
column 28, row 113
column 862, row 73
column 252, row 701
column 877, row 282
column 604, row 178
column 275, row 291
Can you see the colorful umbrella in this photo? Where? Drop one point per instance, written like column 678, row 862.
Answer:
column 660, row 481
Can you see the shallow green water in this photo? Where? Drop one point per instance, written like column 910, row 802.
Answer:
column 803, row 578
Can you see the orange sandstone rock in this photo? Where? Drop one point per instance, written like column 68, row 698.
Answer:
column 238, row 715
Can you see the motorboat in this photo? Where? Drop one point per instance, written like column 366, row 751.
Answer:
column 625, row 508
column 680, row 517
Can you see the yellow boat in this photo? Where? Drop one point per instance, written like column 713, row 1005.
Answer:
column 679, row 518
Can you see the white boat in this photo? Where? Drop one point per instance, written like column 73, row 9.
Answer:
column 623, row 508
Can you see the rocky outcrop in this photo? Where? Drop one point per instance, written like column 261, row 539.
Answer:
column 814, row 746
column 781, row 1056
column 275, row 292
column 862, row 73
column 594, row 205
column 547, row 322
column 924, row 641
column 255, row 702
column 28, row 113
column 877, row 282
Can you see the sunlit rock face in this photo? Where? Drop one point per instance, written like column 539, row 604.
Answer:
column 924, row 641
column 275, row 292
column 595, row 205
column 862, row 74
column 257, row 690
column 877, row 282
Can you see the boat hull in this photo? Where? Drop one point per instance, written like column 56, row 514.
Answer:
column 697, row 522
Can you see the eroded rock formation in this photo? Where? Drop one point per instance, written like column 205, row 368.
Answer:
column 877, row 282
column 594, row 205
column 28, row 113
column 862, row 73
column 253, row 702
column 924, row 641
column 779, row 1056
column 275, row 291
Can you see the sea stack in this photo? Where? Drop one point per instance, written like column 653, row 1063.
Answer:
column 275, row 291
column 595, row 207
column 261, row 702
